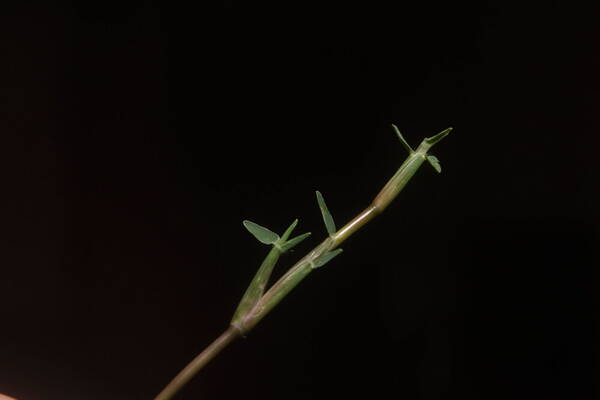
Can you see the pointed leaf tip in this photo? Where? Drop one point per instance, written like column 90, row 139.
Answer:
column 327, row 218
column 294, row 241
column 289, row 231
column 435, row 163
column 434, row 139
column 261, row 233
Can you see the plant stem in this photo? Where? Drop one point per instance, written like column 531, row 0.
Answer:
column 256, row 288
column 251, row 315
column 197, row 363
column 303, row 267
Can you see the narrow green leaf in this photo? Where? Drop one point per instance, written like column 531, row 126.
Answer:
column 261, row 233
column 288, row 231
column 434, row 139
column 327, row 218
column 435, row 163
column 325, row 258
column 294, row 241
column 402, row 140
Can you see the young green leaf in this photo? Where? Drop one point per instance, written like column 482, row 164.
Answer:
column 261, row 233
column 325, row 258
column 402, row 140
column 294, row 241
column 288, row 231
column 436, row 138
column 435, row 163
column 327, row 218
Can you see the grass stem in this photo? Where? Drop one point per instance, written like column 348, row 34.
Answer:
column 197, row 363
column 255, row 305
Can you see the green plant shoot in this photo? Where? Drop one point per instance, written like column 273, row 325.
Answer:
column 256, row 303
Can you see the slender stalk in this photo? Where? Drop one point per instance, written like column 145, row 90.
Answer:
column 197, row 363
column 252, row 311
column 256, row 288
column 303, row 267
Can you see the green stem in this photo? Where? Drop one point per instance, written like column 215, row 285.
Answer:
column 197, row 363
column 302, row 268
column 256, row 288
column 244, row 321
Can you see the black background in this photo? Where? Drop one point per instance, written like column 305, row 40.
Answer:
column 136, row 136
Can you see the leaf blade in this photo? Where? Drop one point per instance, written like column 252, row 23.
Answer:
column 294, row 241
column 327, row 218
column 436, row 138
column 435, row 163
column 288, row 231
column 402, row 140
column 261, row 233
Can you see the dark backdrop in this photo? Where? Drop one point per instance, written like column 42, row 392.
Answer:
column 136, row 136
